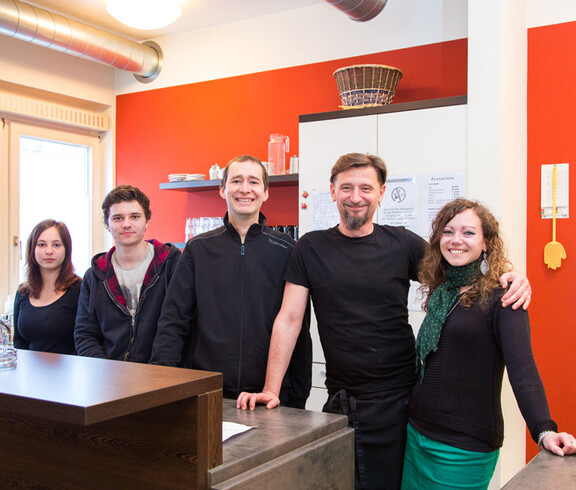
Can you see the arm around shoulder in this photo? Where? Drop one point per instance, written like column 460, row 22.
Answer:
column 519, row 293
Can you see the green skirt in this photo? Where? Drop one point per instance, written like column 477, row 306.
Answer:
column 432, row 465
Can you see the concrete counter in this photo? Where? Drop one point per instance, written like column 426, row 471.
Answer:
column 287, row 448
column 545, row 471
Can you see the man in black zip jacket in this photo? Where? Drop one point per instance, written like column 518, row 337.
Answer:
column 226, row 292
column 123, row 291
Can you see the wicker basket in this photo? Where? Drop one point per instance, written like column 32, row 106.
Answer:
column 367, row 85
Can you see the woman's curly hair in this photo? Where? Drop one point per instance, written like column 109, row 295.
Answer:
column 433, row 267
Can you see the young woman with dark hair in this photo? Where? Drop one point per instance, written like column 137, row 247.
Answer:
column 45, row 305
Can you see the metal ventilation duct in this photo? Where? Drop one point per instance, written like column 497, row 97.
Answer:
column 360, row 10
column 43, row 28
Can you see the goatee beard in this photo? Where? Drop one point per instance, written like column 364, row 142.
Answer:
column 355, row 222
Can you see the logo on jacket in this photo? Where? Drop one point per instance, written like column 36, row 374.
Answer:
column 280, row 244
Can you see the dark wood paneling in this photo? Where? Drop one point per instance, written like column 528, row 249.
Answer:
column 154, row 448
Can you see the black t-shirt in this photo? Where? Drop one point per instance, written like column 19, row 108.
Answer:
column 359, row 288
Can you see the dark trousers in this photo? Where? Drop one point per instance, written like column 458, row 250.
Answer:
column 379, row 420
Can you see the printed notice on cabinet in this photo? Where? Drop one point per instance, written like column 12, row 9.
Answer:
column 324, row 211
column 400, row 205
column 437, row 190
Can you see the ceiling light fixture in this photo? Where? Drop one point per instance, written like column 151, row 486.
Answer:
column 145, row 14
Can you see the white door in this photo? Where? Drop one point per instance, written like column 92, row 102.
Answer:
column 53, row 174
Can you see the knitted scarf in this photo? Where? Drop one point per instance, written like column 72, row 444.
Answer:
column 440, row 304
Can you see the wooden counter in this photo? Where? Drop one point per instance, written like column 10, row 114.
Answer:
column 78, row 422
column 545, row 471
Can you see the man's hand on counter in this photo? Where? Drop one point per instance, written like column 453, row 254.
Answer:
column 250, row 400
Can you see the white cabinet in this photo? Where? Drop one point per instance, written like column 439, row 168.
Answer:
column 424, row 137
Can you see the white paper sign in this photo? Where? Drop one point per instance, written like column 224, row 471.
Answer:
column 437, row 190
column 324, row 211
column 401, row 203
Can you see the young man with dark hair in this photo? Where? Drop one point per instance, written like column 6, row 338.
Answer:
column 226, row 292
column 123, row 291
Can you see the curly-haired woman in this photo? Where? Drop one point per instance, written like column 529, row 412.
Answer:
column 456, row 427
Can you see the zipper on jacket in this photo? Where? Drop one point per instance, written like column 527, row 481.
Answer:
column 242, row 254
column 132, row 333
column 132, row 316
column 133, row 322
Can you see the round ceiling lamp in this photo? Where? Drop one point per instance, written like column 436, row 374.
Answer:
column 144, row 14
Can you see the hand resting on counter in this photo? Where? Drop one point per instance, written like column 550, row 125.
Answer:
column 560, row 444
column 250, row 400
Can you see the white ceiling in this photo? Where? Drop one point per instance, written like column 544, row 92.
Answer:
column 198, row 14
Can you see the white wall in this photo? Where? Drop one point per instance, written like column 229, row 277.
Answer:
column 300, row 36
column 42, row 68
column 547, row 12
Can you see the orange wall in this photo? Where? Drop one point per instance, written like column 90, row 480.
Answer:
column 188, row 128
column 552, row 139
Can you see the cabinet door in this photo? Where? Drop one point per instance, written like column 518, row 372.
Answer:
column 424, row 140
column 321, row 144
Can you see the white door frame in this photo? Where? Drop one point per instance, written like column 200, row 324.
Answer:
column 12, row 243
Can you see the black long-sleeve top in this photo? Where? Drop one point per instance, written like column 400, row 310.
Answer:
column 458, row 401
column 48, row 328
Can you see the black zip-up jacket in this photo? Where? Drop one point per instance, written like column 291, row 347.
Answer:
column 220, row 308
column 104, row 326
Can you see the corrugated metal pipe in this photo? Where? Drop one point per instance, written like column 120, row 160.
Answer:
column 360, row 10
column 43, row 28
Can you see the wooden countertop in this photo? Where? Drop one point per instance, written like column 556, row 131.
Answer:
column 85, row 390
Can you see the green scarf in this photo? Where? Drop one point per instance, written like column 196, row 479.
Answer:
column 440, row 304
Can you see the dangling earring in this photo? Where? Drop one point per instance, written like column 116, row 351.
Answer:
column 484, row 264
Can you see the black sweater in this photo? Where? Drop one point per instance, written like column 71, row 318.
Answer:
column 458, row 401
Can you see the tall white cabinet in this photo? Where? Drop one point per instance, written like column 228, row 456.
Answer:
column 417, row 138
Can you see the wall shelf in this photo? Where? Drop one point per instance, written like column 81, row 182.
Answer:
column 208, row 185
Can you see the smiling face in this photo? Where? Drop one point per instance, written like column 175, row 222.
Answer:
column 127, row 223
column 462, row 239
column 244, row 191
column 50, row 252
column 357, row 192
